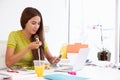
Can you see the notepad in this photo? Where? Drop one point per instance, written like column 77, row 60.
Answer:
column 63, row 77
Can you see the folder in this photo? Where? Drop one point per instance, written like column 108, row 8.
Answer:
column 75, row 48
column 71, row 48
column 64, row 77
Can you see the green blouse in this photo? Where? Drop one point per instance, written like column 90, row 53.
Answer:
column 18, row 41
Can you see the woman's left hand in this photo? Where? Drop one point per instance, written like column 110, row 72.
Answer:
column 55, row 60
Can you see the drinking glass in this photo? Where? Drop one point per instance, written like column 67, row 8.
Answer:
column 39, row 67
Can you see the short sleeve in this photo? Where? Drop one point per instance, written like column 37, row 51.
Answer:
column 11, row 40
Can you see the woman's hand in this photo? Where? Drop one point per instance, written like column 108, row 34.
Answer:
column 34, row 45
column 55, row 60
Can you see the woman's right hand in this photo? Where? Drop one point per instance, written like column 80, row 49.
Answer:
column 34, row 45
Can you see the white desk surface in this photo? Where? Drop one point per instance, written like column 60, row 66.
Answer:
column 91, row 72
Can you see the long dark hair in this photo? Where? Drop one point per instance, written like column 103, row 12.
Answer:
column 27, row 14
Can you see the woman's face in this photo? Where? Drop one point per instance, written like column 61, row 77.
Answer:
column 33, row 25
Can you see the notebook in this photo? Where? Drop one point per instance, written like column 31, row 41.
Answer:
column 76, row 61
column 63, row 77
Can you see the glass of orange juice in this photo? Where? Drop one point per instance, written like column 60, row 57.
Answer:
column 39, row 67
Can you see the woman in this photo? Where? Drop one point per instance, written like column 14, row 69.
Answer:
column 22, row 47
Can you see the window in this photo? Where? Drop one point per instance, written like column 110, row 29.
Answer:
column 86, row 17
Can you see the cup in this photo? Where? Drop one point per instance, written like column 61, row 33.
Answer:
column 39, row 67
column 47, row 65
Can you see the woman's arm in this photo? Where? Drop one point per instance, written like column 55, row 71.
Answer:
column 12, row 58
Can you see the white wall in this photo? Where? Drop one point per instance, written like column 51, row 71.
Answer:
column 54, row 14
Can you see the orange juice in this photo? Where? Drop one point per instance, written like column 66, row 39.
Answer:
column 63, row 52
column 39, row 70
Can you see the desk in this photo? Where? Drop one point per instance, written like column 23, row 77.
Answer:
column 91, row 72
column 100, row 73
